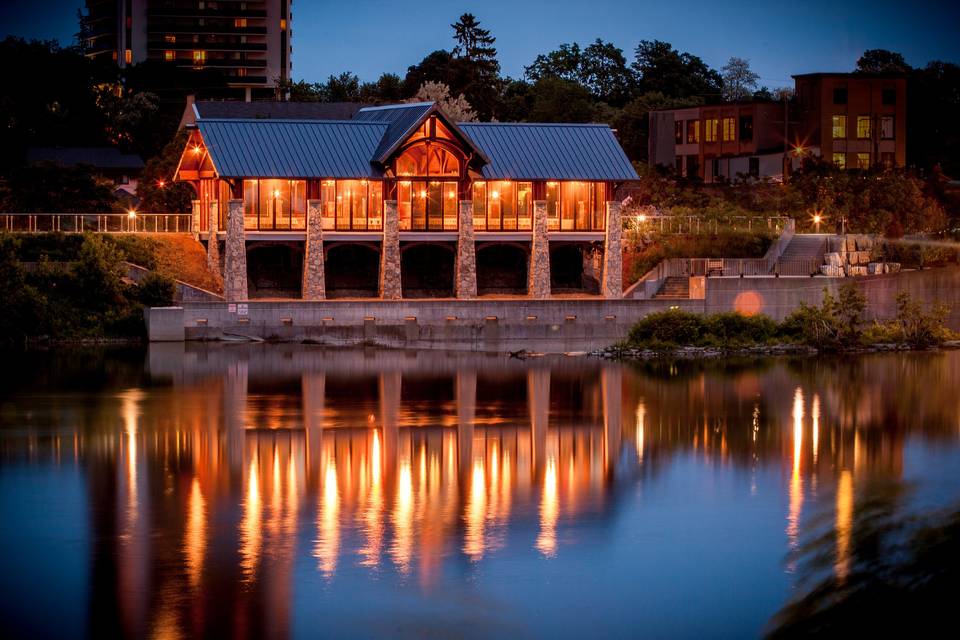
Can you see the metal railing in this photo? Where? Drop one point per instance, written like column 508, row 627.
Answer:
column 96, row 222
column 640, row 221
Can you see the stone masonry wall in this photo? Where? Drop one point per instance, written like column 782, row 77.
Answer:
column 314, row 281
column 390, row 286
column 465, row 277
column 213, row 243
column 538, row 273
column 235, row 255
column 612, row 284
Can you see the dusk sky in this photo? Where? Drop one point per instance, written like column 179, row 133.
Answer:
column 369, row 37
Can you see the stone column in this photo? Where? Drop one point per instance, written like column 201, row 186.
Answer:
column 611, row 286
column 390, row 288
column 235, row 254
column 195, row 220
column 314, row 282
column 213, row 242
column 465, row 278
column 538, row 274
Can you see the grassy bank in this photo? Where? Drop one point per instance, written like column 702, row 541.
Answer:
column 836, row 325
column 641, row 255
column 78, row 290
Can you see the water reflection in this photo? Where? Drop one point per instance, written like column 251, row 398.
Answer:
column 231, row 478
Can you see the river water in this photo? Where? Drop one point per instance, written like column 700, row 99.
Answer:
column 293, row 491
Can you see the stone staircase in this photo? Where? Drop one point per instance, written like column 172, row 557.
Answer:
column 674, row 288
column 806, row 246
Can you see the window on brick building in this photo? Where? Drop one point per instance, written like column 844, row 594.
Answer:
column 863, row 161
column 693, row 131
column 839, row 127
column 729, row 129
column 863, row 127
column 886, row 127
column 678, row 131
column 840, row 159
column 840, row 95
column 746, row 128
column 711, row 127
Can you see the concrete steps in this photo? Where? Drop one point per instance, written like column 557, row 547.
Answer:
column 674, row 288
column 807, row 246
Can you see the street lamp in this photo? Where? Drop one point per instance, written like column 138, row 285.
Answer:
column 817, row 218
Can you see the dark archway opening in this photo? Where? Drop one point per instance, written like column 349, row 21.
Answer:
column 352, row 271
column 567, row 269
column 426, row 271
column 502, row 269
column 274, row 271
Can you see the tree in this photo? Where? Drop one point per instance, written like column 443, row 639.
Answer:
column 632, row 122
column 660, row 67
column 739, row 81
column 435, row 67
column 475, row 44
column 601, row 68
column 157, row 190
column 50, row 187
column 457, row 109
column 933, row 131
column 558, row 100
column 387, row 88
column 342, row 88
column 882, row 61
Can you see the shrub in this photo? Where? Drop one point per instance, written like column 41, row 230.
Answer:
column 913, row 326
column 672, row 327
column 833, row 326
column 155, row 290
column 736, row 328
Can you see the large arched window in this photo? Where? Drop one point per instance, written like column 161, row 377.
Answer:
column 428, row 160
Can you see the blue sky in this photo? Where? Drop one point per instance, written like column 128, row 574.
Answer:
column 780, row 39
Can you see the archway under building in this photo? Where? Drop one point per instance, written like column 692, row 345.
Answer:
column 274, row 270
column 574, row 268
column 502, row 268
column 352, row 270
column 426, row 270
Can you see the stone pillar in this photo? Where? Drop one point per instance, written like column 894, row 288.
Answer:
column 390, row 288
column 314, row 282
column 538, row 274
column 195, row 220
column 235, row 254
column 213, row 241
column 465, row 278
column 611, row 286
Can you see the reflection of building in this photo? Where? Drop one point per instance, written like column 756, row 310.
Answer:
column 248, row 42
column 857, row 121
column 400, row 201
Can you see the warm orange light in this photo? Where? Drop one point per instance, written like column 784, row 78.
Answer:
column 642, row 218
column 817, row 218
column 495, row 195
column 131, row 213
column 423, row 194
column 276, row 193
column 196, row 149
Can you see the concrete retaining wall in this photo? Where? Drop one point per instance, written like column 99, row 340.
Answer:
column 556, row 325
column 778, row 297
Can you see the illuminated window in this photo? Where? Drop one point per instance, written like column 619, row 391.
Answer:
column 427, row 205
column 283, row 24
column 240, row 22
column 678, row 131
column 274, row 204
column 840, row 159
column 839, row 127
column 863, row 161
column 553, row 206
column 170, row 38
column 128, row 56
column 428, row 160
column 199, row 57
column 711, row 126
column 693, row 131
column 886, row 127
column 242, row 72
column 729, row 129
column 169, row 55
column 863, row 126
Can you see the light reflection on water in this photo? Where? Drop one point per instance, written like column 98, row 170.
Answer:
column 286, row 490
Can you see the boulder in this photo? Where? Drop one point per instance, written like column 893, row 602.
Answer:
column 857, row 271
column 892, row 267
column 833, row 259
column 874, row 268
column 864, row 243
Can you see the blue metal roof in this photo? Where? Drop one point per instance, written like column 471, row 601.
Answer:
column 402, row 120
column 292, row 148
column 521, row 151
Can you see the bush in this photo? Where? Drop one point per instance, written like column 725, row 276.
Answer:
column 667, row 328
column 726, row 244
column 833, row 326
column 913, row 326
column 155, row 290
column 732, row 328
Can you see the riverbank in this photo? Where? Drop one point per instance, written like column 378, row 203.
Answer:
column 627, row 353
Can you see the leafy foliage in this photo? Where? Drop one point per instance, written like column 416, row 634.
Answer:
column 835, row 325
column 674, row 327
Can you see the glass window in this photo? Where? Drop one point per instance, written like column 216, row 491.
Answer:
column 418, row 206
column 693, row 131
column 678, row 131
column 351, row 205
column 840, row 159
column 863, row 161
column 428, row 160
column 863, row 126
column 298, row 204
column 553, row 206
column 328, row 204
column 599, row 205
column 479, row 206
column 250, row 207
column 435, row 205
column 525, row 206
column 375, row 205
column 405, row 204
column 746, row 128
column 712, row 125
column 888, row 96
column 574, row 205
column 886, row 127
column 729, row 129
column 450, row 206
column 840, row 95
column 839, row 127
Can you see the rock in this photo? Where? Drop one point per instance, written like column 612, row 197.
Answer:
column 864, row 243
column 892, row 267
column 857, row 271
column 851, row 244
column 874, row 268
column 833, row 259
